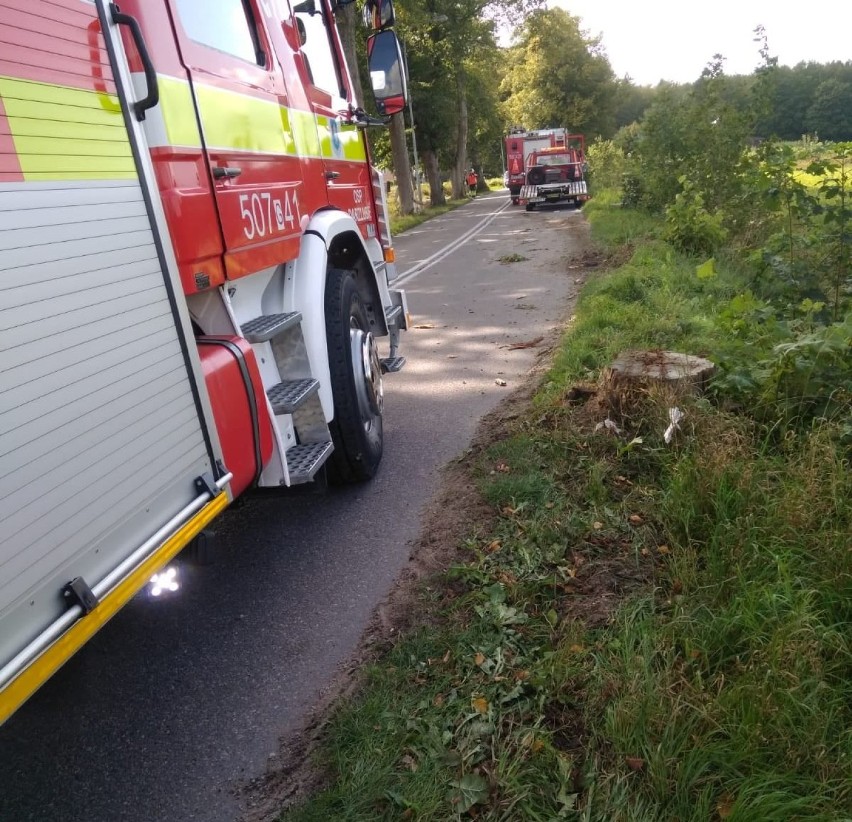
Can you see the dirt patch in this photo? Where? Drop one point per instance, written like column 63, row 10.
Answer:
column 455, row 512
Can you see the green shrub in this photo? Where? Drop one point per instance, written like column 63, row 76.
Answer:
column 690, row 227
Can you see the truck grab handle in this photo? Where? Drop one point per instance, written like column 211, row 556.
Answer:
column 153, row 96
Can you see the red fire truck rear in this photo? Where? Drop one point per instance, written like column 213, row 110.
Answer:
column 520, row 143
column 556, row 175
column 195, row 269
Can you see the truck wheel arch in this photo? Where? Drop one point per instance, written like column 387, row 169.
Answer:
column 330, row 240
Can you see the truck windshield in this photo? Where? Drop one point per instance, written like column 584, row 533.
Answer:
column 554, row 160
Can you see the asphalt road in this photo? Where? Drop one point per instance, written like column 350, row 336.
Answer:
column 177, row 702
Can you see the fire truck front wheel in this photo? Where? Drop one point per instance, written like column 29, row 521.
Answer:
column 356, row 382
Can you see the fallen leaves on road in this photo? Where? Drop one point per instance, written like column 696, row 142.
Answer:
column 529, row 344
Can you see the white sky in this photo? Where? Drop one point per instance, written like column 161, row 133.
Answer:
column 653, row 40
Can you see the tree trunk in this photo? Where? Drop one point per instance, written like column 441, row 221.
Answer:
column 401, row 164
column 346, row 25
column 460, row 167
column 433, row 175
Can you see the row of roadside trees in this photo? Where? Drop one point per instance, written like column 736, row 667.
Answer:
column 467, row 88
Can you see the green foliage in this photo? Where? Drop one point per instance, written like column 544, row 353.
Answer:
column 557, row 75
column 727, row 684
column 695, row 135
column 606, row 164
column 643, row 630
column 806, row 375
column 808, row 95
column 625, row 226
column 830, row 113
column 640, row 630
column 690, row 227
column 801, row 248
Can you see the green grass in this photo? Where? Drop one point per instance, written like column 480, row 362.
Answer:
column 642, row 631
column 617, row 226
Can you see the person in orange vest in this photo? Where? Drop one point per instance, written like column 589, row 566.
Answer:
column 471, row 181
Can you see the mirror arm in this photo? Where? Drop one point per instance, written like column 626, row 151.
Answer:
column 358, row 117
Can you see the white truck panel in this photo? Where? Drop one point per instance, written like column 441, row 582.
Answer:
column 104, row 419
column 100, row 437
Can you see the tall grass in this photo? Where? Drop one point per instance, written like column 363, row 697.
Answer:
column 643, row 631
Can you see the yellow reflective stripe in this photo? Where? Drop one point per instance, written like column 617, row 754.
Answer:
column 178, row 112
column 353, row 144
column 79, row 148
column 29, row 681
column 65, row 133
column 349, row 146
column 46, row 126
column 239, row 122
column 60, row 95
column 304, row 127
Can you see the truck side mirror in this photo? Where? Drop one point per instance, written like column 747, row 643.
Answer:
column 387, row 75
column 378, row 14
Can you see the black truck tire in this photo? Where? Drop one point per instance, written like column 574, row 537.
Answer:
column 356, row 383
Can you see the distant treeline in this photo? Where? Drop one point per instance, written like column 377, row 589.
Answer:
column 809, row 98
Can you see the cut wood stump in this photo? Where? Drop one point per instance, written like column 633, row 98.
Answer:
column 679, row 371
column 660, row 376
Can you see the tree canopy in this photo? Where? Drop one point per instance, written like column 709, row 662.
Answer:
column 557, row 75
column 467, row 89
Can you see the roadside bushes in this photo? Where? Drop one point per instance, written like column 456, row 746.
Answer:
column 779, row 217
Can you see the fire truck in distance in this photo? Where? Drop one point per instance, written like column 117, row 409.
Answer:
column 196, row 268
column 556, row 175
column 520, row 144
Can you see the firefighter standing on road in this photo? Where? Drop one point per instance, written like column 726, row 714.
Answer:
column 471, row 181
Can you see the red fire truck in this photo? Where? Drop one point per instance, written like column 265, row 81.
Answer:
column 556, row 175
column 196, row 267
column 520, row 143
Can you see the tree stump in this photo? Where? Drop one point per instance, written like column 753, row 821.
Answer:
column 664, row 376
column 678, row 371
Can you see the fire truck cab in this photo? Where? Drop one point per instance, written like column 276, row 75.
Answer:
column 196, row 269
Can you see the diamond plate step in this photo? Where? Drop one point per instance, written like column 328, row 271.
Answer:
column 393, row 314
column 391, row 365
column 303, row 461
column 265, row 327
column 287, row 396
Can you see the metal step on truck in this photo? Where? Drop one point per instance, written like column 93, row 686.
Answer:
column 196, row 270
